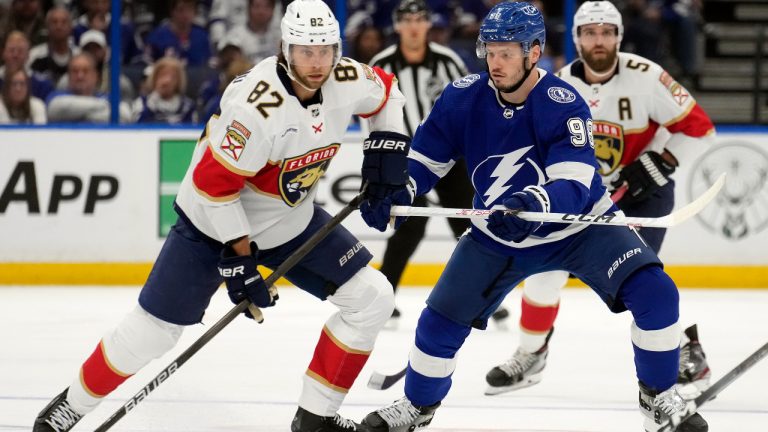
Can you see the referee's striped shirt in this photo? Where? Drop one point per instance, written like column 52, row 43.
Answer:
column 421, row 83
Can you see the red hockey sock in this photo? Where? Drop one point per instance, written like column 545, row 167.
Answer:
column 334, row 364
column 537, row 318
column 98, row 376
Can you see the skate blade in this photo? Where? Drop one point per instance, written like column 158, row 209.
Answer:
column 530, row 381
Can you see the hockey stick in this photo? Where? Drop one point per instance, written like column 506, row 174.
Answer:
column 719, row 386
column 281, row 270
column 672, row 219
column 379, row 381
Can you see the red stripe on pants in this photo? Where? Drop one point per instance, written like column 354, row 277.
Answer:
column 537, row 319
column 98, row 376
column 334, row 364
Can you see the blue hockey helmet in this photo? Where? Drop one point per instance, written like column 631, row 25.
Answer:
column 512, row 22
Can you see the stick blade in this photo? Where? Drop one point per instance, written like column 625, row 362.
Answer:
column 379, row 381
column 699, row 203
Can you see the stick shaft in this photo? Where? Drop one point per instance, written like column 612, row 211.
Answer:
column 283, row 268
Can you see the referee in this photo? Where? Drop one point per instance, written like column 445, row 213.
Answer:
column 422, row 69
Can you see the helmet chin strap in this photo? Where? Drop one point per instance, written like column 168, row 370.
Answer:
column 519, row 83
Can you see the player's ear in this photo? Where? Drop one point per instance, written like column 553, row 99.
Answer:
column 535, row 54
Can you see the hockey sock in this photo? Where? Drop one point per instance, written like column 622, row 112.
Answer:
column 653, row 299
column 365, row 303
column 540, row 304
column 535, row 323
column 433, row 358
column 138, row 339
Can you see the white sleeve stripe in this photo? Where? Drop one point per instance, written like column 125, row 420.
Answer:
column 439, row 169
column 429, row 366
column 581, row 172
column 665, row 339
column 541, row 195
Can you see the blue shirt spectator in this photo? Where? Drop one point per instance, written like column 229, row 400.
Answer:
column 166, row 103
column 179, row 37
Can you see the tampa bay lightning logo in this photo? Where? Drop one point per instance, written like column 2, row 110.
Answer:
column 494, row 176
column 466, row 81
column 561, row 95
column 530, row 10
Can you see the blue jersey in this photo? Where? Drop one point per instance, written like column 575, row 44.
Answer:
column 544, row 145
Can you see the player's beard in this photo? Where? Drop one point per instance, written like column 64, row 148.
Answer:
column 513, row 87
column 602, row 64
column 310, row 86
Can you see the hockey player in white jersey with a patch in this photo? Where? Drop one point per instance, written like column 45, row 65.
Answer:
column 248, row 199
column 632, row 100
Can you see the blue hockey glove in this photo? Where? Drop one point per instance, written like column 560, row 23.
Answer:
column 375, row 213
column 509, row 227
column 243, row 279
column 385, row 164
column 643, row 177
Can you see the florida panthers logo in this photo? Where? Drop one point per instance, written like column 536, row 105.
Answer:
column 609, row 146
column 494, row 176
column 300, row 174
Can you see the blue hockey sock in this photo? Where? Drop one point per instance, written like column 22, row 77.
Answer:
column 652, row 297
column 432, row 359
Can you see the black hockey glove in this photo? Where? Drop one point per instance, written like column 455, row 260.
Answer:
column 385, row 170
column 643, row 177
column 507, row 226
column 243, row 279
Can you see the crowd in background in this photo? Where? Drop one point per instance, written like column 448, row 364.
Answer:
column 177, row 56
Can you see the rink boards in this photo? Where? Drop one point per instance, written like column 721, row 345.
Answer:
column 92, row 206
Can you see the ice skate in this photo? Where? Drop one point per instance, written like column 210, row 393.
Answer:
column 400, row 416
column 305, row 421
column 522, row 370
column 57, row 416
column 669, row 405
column 694, row 374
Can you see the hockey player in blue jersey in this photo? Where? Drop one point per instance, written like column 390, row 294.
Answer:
column 526, row 138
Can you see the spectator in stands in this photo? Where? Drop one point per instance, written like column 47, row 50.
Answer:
column 179, row 37
column 167, row 102
column 25, row 16
column 260, row 37
column 18, row 106
column 235, row 68
column 226, row 15
column 16, row 56
column 210, row 92
column 96, row 16
column 50, row 59
column 643, row 32
column 367, row 41
column 681, row 18
column 94, row 43
column 81, row 101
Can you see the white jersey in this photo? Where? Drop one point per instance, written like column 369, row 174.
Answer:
column 256, row 166
column 631, row 106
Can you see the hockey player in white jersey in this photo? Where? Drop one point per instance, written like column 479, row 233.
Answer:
column 247, row 199
column 631, row 99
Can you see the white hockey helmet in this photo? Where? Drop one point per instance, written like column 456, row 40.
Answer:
column 597, row 12
column 309, row 22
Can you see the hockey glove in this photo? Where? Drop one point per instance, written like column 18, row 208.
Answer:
column 243, row 279
column 375, row 213
column 385, row 164
column 643, row 177
column 507, row 226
